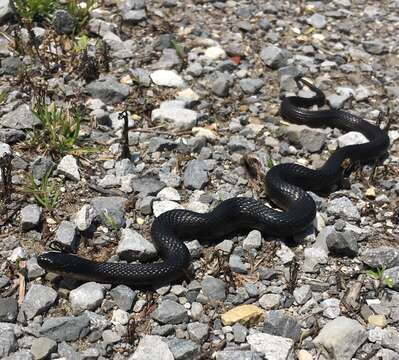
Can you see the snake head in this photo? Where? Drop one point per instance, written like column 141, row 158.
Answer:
column 54, row 261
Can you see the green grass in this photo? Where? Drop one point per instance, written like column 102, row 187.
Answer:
column 378, row 274
column 38, row 10
column 59, row 131
column 35, row 9
column 46, row 194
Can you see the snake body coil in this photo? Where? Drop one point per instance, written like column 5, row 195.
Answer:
column 286, row 186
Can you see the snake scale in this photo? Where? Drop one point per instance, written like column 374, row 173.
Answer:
column 286, row 186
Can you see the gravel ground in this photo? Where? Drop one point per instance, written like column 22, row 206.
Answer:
column 200, row 84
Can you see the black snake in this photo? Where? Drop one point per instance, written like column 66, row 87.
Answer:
column 286, row 186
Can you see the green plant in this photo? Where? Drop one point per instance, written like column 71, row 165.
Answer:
column 46, row 193
column 270, row 163
column 59, row 132
column 3, row 96
column 80, row 10
column 378, row 274
column 109, row 221
column 35, row 9
column 81, row 44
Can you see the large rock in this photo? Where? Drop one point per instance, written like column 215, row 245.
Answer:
column 274, row 57
column 244, row 314
column 170, row 312
column 271, row 346
column 195, row 174
column 108, row 89
column 178, row 118
column 66, row 328
column 133, row 246
column 152, row 347
column 22, row 118
column 340, row 338
column 37, row 300
column 281, row 324
column 382, row 256
column 86, row 297
column 8, row 340
column 214, row 289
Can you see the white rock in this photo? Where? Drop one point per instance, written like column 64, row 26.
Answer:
column 271, row 346
column 198, row 206
column 133, row 246
column 351, row 138
column 167, row 78
column 159, row 207
column 187, row 95
column 215, row 53
column 86, row 297
column 152, row 347
column 69, row 167
column 169, row 193
column 120, row 317
column 181, row 119
column 331, row 308
column 84, row 217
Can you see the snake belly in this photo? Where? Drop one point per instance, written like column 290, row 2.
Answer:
column 286, row 186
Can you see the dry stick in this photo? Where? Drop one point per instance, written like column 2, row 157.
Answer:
column 352, row 294
column 125, row 154
column 22, row 283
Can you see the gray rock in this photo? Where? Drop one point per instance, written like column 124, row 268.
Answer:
column 86, row 297
column 383, row 256
column 63, row 22
column 240, row 333
column 196, row 174
column 274, row 57
column 31, row 217
column 134, row 16
column 168, row 78
column 67, row 235
column 302, row 294
column 178, row 118
column 170, row 312
column 342, row 243
column 237, row 265
column 220, row 84
column 22, row 118
column 331, row 308
column 8, row 340
column 108, row 89
column 270, row 301
column 313, row 258
column 11, row 65
column 133, row 246
column 41, row 166
column 38, row 299
column 183, row 349
column 253, row 240
column 390, row 339
column 11, row 136
column 198, row 332
column 152, row 347
column 108, row 209
column 195, row 69
column 281, row 324
column 271, row 346
column 393, row 273
column 66, row 328
column 127, row 5
column 340, row 338
column 343, row 208
column 8, row 309
column 318, row 21
column 214, row 289
column 312, row 140
column 20, row 355
column 69, row 167
column 238, row 354
column 34, row 269
column 123, row 296
column 251, row 86
column 375, row 47
column 147, row 185
column 238, row 143
column 337, row 101
column 43, row 347
column 110, row 337
column 5, row 10
column 68, row 352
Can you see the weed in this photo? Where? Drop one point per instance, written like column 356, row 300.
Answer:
column 35, row 10
column 81, row 11
column 109, row 221
column 3, row 96
column 270, row 163
column 59, row 132
column 46, row 193
column 378, row 274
